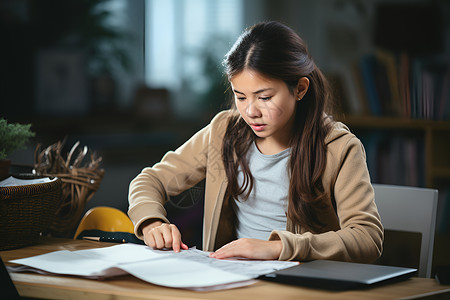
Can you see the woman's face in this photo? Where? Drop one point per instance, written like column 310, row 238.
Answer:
column 267, row 105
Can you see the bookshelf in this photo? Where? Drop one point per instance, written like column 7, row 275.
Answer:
column 436, row 138
column 398, row 99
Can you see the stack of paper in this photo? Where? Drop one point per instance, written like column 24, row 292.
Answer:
column 13, row 181
column 190, row 269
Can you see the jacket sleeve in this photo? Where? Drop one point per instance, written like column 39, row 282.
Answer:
column 178, row 171
column 360, row 236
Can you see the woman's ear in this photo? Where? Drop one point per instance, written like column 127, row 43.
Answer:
column 302, row 88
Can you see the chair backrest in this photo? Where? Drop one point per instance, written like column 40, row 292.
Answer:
column 410, row 209
column 104, row 218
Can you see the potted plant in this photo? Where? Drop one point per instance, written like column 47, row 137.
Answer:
column 13, row 136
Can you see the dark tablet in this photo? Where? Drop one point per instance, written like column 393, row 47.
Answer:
column 329, row 274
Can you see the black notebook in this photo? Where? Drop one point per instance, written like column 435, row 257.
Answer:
column 329, row 274
column 8, row 289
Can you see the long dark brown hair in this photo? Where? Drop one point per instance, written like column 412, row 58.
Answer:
column 275, row 50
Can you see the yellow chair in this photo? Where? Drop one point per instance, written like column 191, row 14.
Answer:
column 104, row 218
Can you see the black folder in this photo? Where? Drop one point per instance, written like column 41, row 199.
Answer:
column 337, row 275
column 9, row 290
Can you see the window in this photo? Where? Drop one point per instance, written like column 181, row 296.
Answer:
column 179, row 33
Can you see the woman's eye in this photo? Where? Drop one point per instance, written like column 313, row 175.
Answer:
column 240, row 98
column 265, row 98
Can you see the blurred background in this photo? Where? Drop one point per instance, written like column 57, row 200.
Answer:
column 132, row 79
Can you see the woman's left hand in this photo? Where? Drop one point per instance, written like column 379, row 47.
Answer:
column 249, row 248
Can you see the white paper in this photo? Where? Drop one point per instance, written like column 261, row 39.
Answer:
column 124, row 253
column 190, row 269
column 181, row 273
column 67, row 262
column 12, row 181
column 247, row 267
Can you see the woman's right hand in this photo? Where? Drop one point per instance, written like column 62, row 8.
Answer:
column 159, row 235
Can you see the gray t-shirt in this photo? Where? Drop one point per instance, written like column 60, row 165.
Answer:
column 265, row 209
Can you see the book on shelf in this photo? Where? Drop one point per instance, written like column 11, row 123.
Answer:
column 401, row 85
column 405, row 90
column 368, row 75
column 389, row 70
column 394, row 159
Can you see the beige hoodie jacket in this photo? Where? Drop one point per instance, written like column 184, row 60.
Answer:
column 353, row 233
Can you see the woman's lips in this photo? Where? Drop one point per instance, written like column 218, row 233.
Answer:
column 258, row 127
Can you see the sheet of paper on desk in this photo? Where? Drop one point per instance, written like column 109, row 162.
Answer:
column 190, row 269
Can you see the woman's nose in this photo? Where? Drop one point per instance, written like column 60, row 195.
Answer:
column 252, row 110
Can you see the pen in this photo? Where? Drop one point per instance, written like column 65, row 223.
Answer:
column 104, row 239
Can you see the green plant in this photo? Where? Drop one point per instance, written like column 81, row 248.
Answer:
column 13, row 137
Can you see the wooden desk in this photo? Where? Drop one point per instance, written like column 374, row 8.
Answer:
column 129, row 287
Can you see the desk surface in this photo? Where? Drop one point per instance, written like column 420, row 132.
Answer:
column 129, row 287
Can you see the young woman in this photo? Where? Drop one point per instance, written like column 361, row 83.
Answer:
column 283, row 180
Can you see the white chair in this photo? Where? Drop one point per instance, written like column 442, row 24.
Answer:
column 410, row 209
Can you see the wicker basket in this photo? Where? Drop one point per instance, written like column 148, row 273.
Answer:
column 80, row 177
column 78, row 187
column 26, row 212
